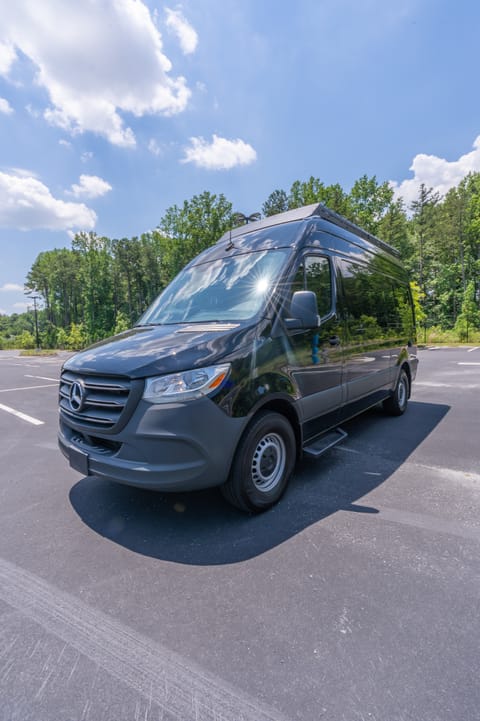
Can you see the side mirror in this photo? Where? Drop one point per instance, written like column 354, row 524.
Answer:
column 303, row 310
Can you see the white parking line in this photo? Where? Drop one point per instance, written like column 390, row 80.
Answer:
column 23, row 416
column 42, row 378
column 26, row 365
column 430, row 384
column 162, row 677
column 470, row 350
column 27, row 388
column 476, row 363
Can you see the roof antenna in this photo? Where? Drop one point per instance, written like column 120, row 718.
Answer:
column 230, row 245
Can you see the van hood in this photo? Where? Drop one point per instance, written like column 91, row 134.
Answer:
column 155, row 350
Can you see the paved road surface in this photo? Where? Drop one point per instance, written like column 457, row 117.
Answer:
column 356, row 598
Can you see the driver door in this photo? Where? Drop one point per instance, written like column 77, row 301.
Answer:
column 316, row 354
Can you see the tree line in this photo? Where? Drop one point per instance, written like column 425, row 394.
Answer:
column 100, row 286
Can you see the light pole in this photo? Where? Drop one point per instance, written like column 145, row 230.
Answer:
column 241, row 218
column 237, row 220
column 37, row 337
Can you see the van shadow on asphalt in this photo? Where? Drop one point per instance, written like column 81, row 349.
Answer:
column 200, row 528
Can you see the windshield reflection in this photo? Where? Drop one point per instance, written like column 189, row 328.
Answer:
column 229, row 289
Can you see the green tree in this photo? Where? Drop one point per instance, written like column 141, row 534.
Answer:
column 77, row 338
column 56, row 275
column 122, row 323
column 188, row 230
column 48, row 335
column 424, row 225
column 277, row 202
column 137, row 274
column 62, row 338
column 306, row 193
column 97, row 278
column 393, row 229
column 417, row 297
column 106, row 284
column 26, row 340
column 473, row 227
column 336, row 199
column 469, row 318
column 370, row 201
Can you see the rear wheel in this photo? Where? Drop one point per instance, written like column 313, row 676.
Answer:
column 262, row 465
column 396, row 405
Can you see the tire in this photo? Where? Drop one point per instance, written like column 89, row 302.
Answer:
column 396, row 405
column 262, row 465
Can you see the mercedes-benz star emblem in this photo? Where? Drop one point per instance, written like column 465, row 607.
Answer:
column 77, row 396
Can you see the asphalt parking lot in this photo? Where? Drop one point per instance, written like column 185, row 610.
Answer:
column 356, row 598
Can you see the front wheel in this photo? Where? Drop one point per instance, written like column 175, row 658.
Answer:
column 396, row 405
column 262, row 465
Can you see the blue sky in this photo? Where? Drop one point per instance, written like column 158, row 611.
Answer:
column 113, row 110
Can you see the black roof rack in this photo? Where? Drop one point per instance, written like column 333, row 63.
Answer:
column 342, row 222
column 318, row 210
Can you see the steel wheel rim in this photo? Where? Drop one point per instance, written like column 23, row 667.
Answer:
column 402, row 392
column 268, row 462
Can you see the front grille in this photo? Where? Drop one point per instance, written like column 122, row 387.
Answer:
column 104, row 400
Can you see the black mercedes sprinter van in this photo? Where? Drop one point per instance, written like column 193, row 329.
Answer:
column 253, row 354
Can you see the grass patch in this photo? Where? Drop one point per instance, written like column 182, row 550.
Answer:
column 437, row 336
column 33, row 352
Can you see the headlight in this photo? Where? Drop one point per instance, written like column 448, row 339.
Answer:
column 185, row 386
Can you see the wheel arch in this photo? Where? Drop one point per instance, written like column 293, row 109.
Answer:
column 241, row 489
column 405, row 367
column 284, row 408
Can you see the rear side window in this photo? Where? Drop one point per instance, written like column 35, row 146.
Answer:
column 366, row 296
column 402, row 311
column 375, row 302
column 315, row 274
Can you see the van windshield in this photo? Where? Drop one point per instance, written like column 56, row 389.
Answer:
column 228, row 289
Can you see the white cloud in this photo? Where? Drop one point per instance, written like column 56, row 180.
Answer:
column 90, row 186
column 11, row 288
column 437, row 173
column 26, row 203
column 5, row 107
column 220, row 154
column 21, row 305
column 86, row 156
column 23, row 172
column 65, row 143
column 31, row 110
column 95, row 60
column 185, row 33
column 154, row 147
column 7, row 57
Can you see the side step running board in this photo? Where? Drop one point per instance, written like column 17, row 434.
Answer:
column 320, row 445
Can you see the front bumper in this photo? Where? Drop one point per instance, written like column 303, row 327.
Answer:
column 167, row 447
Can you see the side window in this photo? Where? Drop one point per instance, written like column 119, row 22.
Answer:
column 315, row 274
column 403, row 310
column 366, row 297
